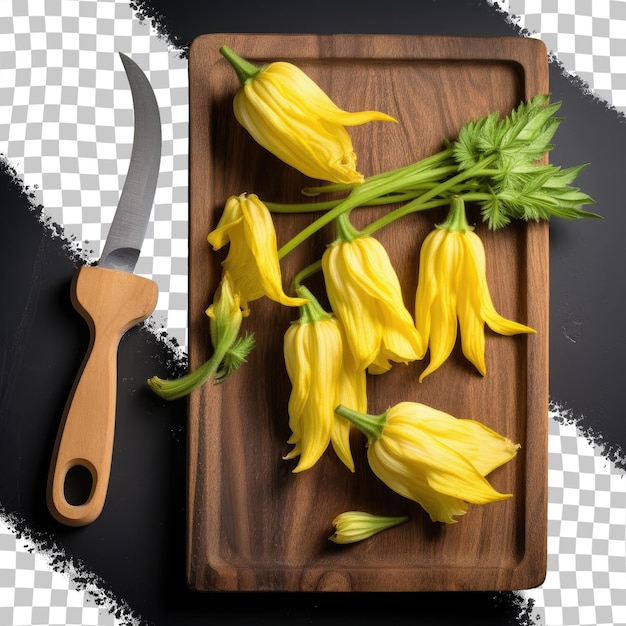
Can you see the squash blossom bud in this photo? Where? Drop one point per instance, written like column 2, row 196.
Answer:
column 433, row 458
column 365, row 294
column 224, row 314
column 288, row 114
column 322, row 374
column 252, row 259
column 353, row 526
column 452, row 285
column 229, row 350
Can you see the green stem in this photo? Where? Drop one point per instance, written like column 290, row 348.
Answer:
column 413, row 180
column 456, row 222
column 316, row 207
column 312, row 311
column 350, row 202
column 316, row 191
column 345, row 231
column 423, row 201
column 179, row 387
column 244, row 69
column 371, row 188
column 391, row 217
column 305, row 273
column 371, row 426
column 427, row 163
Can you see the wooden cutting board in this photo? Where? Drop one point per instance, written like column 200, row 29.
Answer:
column 252, row 523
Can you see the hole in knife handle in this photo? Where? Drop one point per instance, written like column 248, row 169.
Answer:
column 78, row 485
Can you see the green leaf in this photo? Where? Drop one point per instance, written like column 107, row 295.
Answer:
column 235, row 357
column 520, row 174
column 565, row 176
column 529, row 119
column 523, row 136
column 494, row 213
column 466, row 148
column 540, row 144
column 489, row 135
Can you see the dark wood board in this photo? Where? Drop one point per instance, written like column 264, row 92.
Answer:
column 253, row 525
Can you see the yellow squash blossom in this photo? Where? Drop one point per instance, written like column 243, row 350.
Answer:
column 322, row 375
column 287, row 113
column 365, row 294
column 429, row 456
column 353, row 526
column 452, row 285
column 252, row 259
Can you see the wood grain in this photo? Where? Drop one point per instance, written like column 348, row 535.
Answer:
column 111, row 302
column 252, row 523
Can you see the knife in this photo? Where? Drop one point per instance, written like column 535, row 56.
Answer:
column 111, row 299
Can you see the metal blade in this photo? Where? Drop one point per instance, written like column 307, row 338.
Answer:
column 128, row 229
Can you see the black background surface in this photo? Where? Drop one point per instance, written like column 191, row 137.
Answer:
column 136, row 548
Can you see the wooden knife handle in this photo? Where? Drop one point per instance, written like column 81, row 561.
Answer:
column 111, row 302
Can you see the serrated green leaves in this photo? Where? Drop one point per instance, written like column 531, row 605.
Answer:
column 523, row 136
column 528, row 122
column 535, row 195
column 476, row 139
column 235, row 357
column 516, row 185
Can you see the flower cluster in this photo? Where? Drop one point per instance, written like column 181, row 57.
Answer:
column 421, row 453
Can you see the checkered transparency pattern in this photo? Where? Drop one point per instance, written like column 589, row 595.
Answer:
column 69, row 129
column 586, row 580
column 66, row 125
column 587, row 37
column 31, row 592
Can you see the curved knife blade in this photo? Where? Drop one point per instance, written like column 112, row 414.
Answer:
column 128, row 229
